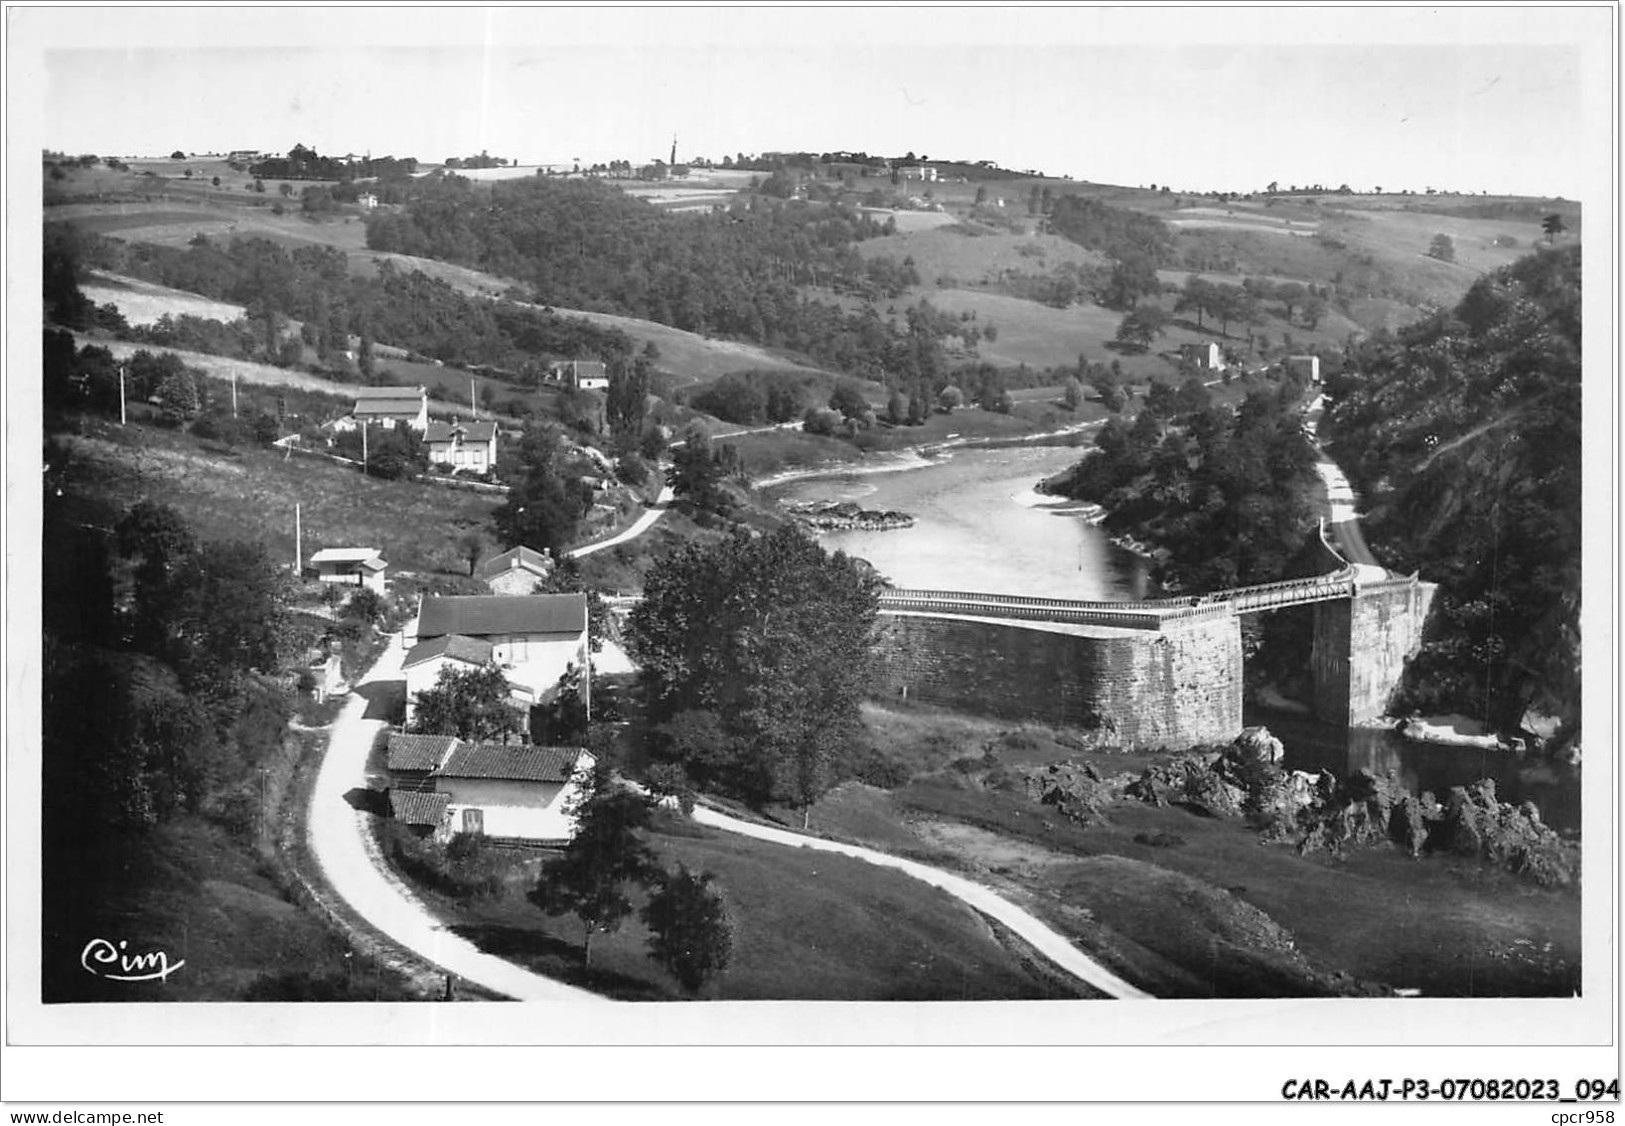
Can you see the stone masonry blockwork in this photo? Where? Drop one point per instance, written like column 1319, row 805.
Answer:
column 1176, row 687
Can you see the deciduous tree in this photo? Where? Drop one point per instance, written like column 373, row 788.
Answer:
column 770, row 636
column 688, row 928
column 608, row 852
column 468, row 703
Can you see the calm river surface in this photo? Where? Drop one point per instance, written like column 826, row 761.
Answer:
column 978, row 526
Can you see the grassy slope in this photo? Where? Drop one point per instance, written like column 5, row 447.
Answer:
column 189, row 890
column 250, row 494
column 807, row 926
column 969, row 258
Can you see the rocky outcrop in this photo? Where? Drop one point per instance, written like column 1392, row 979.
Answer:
column 1319, row 812
column 1079, row 792
column 1475, row 823
column 843, row 516
column 1472, row 823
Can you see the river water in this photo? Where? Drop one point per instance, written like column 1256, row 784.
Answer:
column 979, row 526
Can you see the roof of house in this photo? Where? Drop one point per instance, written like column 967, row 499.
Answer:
column 482, row 615
column 374, row 564
column 451, row 646
column 362, row 394
column 585, row 369
column 344, row 555
column 418, row 752
column 482, row 430
column 418, row 808
column 510, row 762
column 520, row 556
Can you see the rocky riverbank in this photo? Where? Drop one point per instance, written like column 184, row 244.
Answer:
column 844, row 516
column 1319, row 811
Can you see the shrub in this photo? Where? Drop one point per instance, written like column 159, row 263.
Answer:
column 874, row 767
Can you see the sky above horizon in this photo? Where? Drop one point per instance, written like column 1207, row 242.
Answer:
column 1464, row 99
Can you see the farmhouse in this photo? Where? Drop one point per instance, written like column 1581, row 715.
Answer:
column 517, row 793
column 1206, row 356
column 517, row 571
column 367, row 201
column 388, row 407
column 361, row 566
column 583, row 375
column 1307, row 367
column 463, row 445
column 443, row 786
column 535, row 639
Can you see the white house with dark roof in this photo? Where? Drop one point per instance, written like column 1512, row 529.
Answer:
column 444, row 786
column 1205, row 355
column 535, row 639
column 358, row 566
column 463, row 445
column 388, row 407
column 515, row 792
column 583, row 375
column 518, row 570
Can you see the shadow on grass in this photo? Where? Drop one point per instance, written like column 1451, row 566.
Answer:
column 557, row 959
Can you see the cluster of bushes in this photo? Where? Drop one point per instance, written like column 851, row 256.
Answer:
column 750, row 397
column 464, row 868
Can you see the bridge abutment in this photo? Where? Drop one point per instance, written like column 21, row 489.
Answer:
column 1361, row 646
column 1177, row 686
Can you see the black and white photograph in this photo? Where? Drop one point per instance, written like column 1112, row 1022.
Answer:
column 1087, row 532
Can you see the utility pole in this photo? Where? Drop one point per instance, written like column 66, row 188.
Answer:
column 123, row 420
column 298, row 543
column 473, row 400
column 363, row 447
column 234, row 394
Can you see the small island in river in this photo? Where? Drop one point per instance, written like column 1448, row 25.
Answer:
column 843, row 516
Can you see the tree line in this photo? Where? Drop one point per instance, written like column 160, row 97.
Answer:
column 304, row 163
column 1228, row 495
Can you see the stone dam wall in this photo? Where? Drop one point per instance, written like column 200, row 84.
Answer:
column 1174, row 687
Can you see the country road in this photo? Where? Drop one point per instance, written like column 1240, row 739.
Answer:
column 636, row 528
column 1342, row 520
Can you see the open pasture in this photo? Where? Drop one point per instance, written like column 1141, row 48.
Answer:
column 143, row 303
column 952, row 252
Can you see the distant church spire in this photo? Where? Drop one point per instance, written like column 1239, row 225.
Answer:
column 673, row 160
